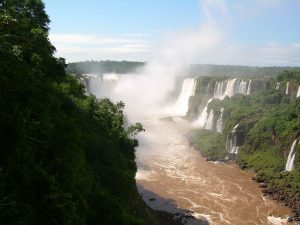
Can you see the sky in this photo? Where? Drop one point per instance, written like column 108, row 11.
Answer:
column 248, row 32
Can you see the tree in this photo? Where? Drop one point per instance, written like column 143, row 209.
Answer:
column 133, row 130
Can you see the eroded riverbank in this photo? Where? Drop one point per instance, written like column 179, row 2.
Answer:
column 221, row 193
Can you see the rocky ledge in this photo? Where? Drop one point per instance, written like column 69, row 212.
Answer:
column 279, row 194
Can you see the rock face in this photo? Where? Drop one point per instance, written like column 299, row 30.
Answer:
column 207, row 88
column 278, row 194
column 261, row 128
column 235, row 139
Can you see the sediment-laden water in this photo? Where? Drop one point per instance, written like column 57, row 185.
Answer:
column 221, row 193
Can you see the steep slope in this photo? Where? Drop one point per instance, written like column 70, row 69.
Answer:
column 65, row 158
column 258, row 128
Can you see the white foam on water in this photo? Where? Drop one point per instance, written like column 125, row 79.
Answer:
column 272, row 220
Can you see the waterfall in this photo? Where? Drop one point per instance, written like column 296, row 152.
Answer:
column 187, row 90
column 202, row 119
column 209, row 122
column 243, row 87
column 93, row 84
column 277, row 86
column 231, row 87
column 298, row 92
column 84, row 82
column 220, row 122
column 222, row 89
column 232, row 142
column 289, row 166
column 219, row 89
column 287, row 88
column 249, row 88
column 100, row 85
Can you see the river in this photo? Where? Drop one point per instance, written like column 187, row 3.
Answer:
column 221, row 193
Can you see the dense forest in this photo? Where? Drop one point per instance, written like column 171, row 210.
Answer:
column 237, row 71
column 120, row 67
column 65, row 158
column 123, row 67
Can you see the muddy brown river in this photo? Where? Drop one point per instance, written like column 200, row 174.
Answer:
column 220, row 193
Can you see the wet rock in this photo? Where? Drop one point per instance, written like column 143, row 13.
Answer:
column 263, row 185
column 152, row 199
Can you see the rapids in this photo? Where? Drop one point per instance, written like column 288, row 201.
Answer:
column 222, row 193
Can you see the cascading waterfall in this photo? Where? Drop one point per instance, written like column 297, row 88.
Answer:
column 84, row 82
column 209, row 122
column 93, row 84
column 202, row 119
column 277, row 86
column 249, row 89
column 231, row 143
column 220, row 122
column 231, row 87
column 187, row 90
column 287, row 88
column 222, row 89
column 100, row 85
column 289, row 166
column 242, row 85
column 298, row 92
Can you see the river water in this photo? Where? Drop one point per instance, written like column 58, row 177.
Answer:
column 221, row 193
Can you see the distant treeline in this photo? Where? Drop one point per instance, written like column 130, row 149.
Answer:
column 120, row 67
column 237, row 71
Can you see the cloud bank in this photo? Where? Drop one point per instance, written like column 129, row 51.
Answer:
column 208, row 43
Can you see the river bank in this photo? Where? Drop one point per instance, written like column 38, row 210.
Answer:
column 215, row 152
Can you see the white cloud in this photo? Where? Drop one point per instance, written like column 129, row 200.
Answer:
column 204, row 45
column 75, row 47
column 94, row 39
column 295, row 45
column 257, row 55
column 210, row 5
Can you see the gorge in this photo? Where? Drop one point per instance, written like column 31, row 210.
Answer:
column 169, row 167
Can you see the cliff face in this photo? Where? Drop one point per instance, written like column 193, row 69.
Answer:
column 257, row 123
column 220, row 88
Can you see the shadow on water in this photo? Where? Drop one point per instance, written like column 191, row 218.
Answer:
column 159, row 203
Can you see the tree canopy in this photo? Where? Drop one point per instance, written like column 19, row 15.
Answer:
column 65, row 158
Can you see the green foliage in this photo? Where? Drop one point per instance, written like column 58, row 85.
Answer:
column 65, row 158
column 238, row 71
column 133, row 130
column 79, row 68
column 210, row 144
column 269, row 122
column 288, row 75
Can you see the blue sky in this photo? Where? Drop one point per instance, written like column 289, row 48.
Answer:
column 251, row 32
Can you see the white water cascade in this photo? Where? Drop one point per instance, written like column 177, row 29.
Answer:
column 232, row 142
column 231, row 87
column 277, row 86
column 249, row 89
column 220, row 122
column 289, row 166
column 100, row 85
column 287, row 88
column 202, row 119
column 209, row 122
column 298, row 92
column 187, row 90
column 222, row 89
